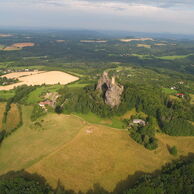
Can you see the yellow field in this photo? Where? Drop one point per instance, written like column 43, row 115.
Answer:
column 27, row 145
column 135, row 39
column 2, row 109
column 13, row 118
column 80, row 154
column 5, row 35
column 106, row 156
column 144, row 45
column 18, row 46
column 39, row 78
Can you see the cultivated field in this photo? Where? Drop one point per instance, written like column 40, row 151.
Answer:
column 18, row 46
column 135, row 39
column 5, row 35
column 39, row 78
column 91, row 41
column 144, row 45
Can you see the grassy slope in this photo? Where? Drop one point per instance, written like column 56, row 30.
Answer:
column 2, row 109
column 13, row 118
column 114, row 122
column 103, row 155
column 82, row 154
column 26, row 145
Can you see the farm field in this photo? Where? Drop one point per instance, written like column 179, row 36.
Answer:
column 5, row 35
column 17, row 46
column 135, row 39
column 29, row 144
column 144, row 45
column 39, row 78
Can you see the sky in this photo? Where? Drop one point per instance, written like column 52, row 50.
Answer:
column 163, row 16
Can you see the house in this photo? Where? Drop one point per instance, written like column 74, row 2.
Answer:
column 180, row 95
column 139, row 122
column 44, row 103
column 173, row 88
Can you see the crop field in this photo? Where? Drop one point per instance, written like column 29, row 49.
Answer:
column 135, row 39
column 17, row 46
column 5, row 35
column 144, row 45
column 2, row 109
column 192, row 98
column 39, row 78
column 13, row 118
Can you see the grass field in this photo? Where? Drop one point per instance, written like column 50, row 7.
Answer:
column 80, row 154
column 173, row 57
column 169, row 91
column 5, row 95
column 2, row 109
column 36, row 95
column 77, row 85
column 106, row 156
column 192, row 98
column 13, row 118
column 114, row 122
column 27, row 145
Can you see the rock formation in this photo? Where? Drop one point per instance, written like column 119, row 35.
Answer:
column 111, row 90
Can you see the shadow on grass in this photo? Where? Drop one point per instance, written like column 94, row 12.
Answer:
column 120, row 188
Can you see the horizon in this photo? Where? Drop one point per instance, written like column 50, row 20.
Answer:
column 168, row 17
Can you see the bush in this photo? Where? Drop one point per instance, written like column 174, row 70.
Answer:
column 173, row 151
column 37, row 112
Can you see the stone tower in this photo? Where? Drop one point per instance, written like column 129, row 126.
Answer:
column 113, row 91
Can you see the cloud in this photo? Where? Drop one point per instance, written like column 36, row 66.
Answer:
column 156, row 3
column 134, row 15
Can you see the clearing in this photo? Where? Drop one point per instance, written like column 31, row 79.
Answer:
column 39, row 78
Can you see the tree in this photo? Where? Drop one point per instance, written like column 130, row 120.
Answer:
column 173, row 151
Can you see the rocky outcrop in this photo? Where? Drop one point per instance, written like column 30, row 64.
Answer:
column 111, row 90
